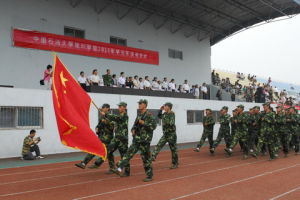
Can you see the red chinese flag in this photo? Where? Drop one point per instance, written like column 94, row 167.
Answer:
column 72, row 106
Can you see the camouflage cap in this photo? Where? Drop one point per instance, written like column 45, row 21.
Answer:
column 241, row 106
column 122, row 104
column 256, row 107
column 143, row 101
column 267, row 104
column 106, row 105
column 208, row 109
column 279, row 106
column 169, row 104
column 224, row 108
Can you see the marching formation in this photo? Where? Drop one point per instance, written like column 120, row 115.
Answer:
column 256, row 132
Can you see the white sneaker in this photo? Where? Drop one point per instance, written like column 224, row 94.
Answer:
column 40, row 157
column 119, row 169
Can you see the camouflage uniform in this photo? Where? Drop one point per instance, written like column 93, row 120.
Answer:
column 120, row 141
column 224, row 131
column 141, row 142
column 105, row 133
column 241, row 133
column 208, row 125
column 169, row 136
column 107, row 79
column 254, row 128
column 282, row 130
column 267, row 134
column 293, row 123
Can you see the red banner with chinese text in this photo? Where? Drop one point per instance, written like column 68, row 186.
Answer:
column 66, row 44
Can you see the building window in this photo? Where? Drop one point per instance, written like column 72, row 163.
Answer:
column 175, row 54
column 118, row 41
column 195, row 116
column 21, row 117
column 74, row 32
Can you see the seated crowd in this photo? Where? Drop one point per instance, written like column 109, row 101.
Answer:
column 254, row 92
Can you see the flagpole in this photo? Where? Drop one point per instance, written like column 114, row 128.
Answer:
column 95, row 105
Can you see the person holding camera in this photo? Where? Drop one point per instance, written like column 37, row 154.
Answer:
column 30, row 145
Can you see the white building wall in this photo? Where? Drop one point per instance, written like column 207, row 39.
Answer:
column 11, row 140
column 23, row 68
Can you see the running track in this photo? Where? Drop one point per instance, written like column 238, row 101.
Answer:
column 200, row 176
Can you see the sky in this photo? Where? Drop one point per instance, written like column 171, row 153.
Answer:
column 270, row 50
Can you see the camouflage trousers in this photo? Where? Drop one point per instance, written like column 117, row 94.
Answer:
column 144, row 149
column 284, row 139
column 270, row 142
column 110, row 158
column 209, row 136
column 223, row 133
column 242, row 137
column 171, row 139
column 295, row 140
column 253, row 139
column 116, row 144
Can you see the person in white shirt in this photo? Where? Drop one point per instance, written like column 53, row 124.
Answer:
column 160, row 86
column 186, row 87
column 155, row 85
column 136, row 83
column 122, row 80
column 147, row 84
column 197, row 92
column 94, row 78
column 164, row 84
column 172, row 85
column 204, row 91
column 82, row 80
column 141, row 84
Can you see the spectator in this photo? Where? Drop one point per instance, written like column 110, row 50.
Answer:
column 141, row 85
column 269, row 81
column 129, row 82
column 204, row 91
column 147, row 84
column 82, row 80
column 238, row 75
column 48, row 77
column 186, row 87
column 155, row 85
column 197, row 92
column 30, row 145
column 136, row 83
column 94, row 78
column 219, row 95
column 160, row 86
column 218, row 80
column 242, row 77
column 122, row 80
column 107, row 78
column 165, row 84
column 114, row 80
column 180, row 89
column 172, row 85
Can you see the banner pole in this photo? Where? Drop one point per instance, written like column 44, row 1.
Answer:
column 95, row 105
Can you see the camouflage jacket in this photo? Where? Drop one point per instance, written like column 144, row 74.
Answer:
column 268, row 122
column 242, row 122
column 26, row 145
column 225, row 121
column 233, row 123
column 144, row 133
column 208, row 124
column 168, row 121
column 281, row 124
column 121, row 125
column 254, row 122
column 105, row 129
column 107, row 80
column 292, row 122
